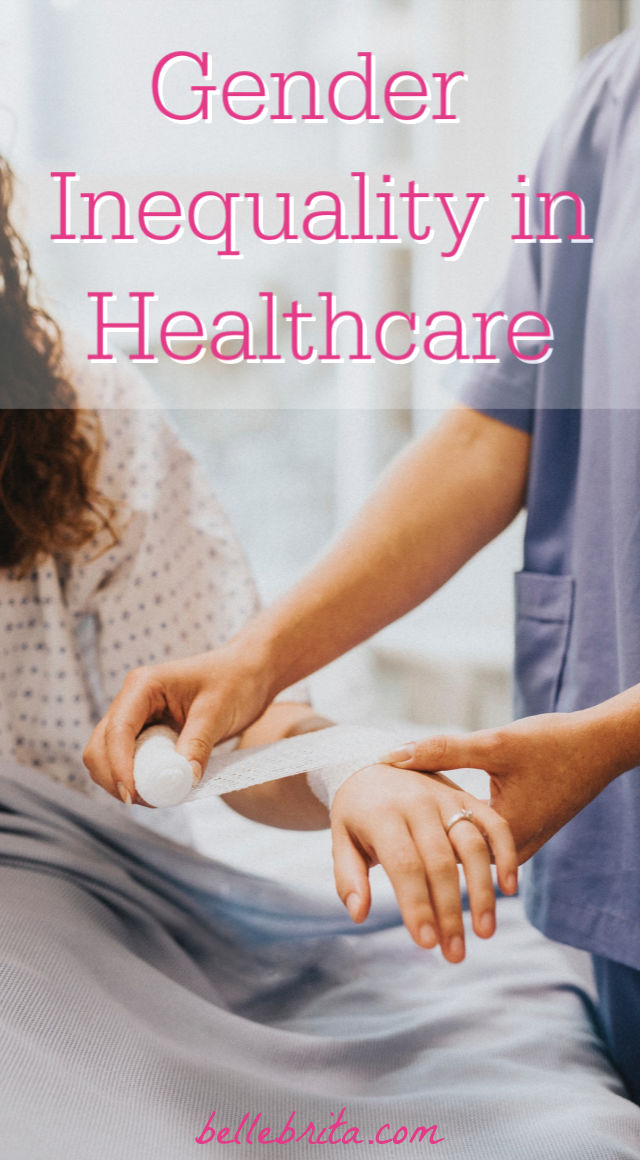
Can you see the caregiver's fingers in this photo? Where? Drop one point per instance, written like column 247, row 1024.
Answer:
column 109, row 752
column 199, row 734
column 95, row 760
column 351, row 873
column 473, row 751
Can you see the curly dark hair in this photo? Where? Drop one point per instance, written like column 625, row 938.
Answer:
column 49, row 448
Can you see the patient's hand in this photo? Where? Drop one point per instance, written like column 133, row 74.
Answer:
column 397, row 818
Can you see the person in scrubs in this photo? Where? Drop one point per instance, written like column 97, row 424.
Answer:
column 563, row 437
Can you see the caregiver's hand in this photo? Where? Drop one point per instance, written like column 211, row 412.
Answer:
column 209, row 697
column 543, row 769
column 398, row 819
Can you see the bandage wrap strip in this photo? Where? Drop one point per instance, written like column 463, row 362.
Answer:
column 328, row 757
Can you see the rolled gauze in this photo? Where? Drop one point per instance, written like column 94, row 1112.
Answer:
column 162, row 777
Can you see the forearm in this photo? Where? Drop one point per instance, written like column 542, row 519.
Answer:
column 613, row 729
column 440, row 502
column 287, row 804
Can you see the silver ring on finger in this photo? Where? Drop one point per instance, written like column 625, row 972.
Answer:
column 459, row 816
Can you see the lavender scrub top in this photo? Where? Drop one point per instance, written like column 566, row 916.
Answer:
column 578, row 596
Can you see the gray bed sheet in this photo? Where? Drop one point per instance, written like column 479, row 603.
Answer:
column 145, row 986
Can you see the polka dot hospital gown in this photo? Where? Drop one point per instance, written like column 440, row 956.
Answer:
column 176, row 583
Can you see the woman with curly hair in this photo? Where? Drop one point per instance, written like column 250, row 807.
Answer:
column 48, row 502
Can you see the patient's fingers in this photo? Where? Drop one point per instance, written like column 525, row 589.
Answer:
column 441, row 871
column 400, row 821
column 502, row 844
column 474, row 854
column 351, row 873
column 425, row 880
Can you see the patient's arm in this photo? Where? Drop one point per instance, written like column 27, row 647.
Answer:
column 288, row 804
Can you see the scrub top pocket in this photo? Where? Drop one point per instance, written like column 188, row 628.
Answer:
column 543, row 619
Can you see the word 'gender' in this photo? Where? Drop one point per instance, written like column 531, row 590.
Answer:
column 351, row 95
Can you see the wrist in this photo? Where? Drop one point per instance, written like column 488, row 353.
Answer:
column 304, row 720
column 612, row 729
column 256, row 656
column 270, row 651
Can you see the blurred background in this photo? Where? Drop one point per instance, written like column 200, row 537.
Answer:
column 292, row 450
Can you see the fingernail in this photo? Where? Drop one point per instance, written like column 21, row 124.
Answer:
column 427, row 935
column 512, row 883
column 196, row 769
column 397, row 755
column 486, row 923
column 352, row 903
column 124, row 793
column 456, row 948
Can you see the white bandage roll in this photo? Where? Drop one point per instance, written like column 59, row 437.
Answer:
column 162, row 777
